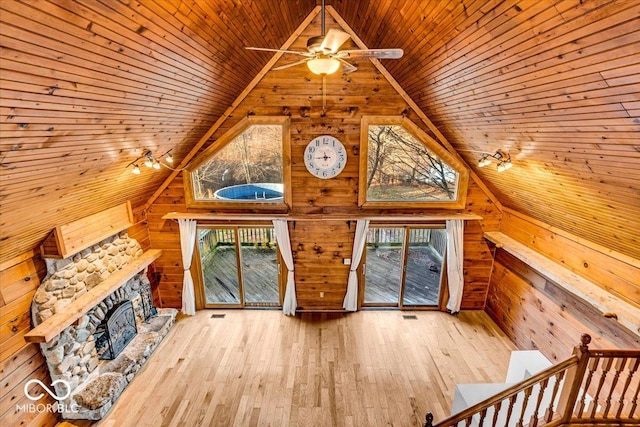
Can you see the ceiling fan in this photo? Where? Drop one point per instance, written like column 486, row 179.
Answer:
column 323, row 56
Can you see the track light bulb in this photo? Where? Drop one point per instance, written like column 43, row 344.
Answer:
column 135, row 170
column 484, row 161
column 169, row 158
column 148, row 163
column 156, row 165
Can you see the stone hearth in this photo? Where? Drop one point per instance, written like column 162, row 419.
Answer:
column 95, row 384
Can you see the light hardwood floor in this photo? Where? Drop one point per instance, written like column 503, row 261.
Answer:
column 261, row 368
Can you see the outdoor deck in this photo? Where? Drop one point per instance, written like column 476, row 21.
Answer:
column 422, row 284
column 261, row 272
column 260, row 276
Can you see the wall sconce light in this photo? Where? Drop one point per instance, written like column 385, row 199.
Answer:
column 503, row 159
column 149, row 160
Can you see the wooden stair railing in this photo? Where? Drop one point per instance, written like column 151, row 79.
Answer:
column 584, row 389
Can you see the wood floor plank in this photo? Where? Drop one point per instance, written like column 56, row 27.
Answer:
column 260, row 368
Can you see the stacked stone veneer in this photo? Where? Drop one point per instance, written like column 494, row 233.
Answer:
column 71, row 356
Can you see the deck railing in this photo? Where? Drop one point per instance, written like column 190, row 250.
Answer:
column 209, row 239
column 435, row 237
column 590, row 387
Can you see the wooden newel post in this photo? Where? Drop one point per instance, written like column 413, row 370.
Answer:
column 428, row 420
column 585, row 340
column 573, row 380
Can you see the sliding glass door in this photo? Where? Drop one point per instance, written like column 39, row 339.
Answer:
column 383, row 268
column 423, row 267
column 403, row 267
column 259, row 266
column 239, row 267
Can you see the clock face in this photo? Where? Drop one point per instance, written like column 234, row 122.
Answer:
column 325, row 157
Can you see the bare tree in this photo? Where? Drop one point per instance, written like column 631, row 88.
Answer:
column 429, row 167
column 395, row 155
column 377, row 154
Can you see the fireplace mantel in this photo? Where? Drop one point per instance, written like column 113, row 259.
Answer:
column 54, row 325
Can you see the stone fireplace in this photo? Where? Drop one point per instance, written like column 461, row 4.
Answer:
column 99, row 355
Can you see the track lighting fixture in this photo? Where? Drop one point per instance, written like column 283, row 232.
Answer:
column 149, row 160
column 503, row 159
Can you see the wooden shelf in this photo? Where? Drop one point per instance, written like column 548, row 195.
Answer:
column 589, row 292
column 394, row 218
column 71, row 238
column 54, row 325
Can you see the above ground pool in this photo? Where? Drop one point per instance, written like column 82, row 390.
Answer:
column 260, row 191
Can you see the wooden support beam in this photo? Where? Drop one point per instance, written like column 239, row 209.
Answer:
column 413, row 106
column 385, row 218
column 232, row 107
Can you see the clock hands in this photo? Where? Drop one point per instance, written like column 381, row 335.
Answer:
column 325, row 157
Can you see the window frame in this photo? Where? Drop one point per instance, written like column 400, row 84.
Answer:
column 429, row 142
column 222, row 142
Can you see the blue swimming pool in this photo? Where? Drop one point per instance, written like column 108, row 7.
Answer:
column 259, row 192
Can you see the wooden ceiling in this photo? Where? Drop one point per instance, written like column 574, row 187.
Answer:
column 86, row 85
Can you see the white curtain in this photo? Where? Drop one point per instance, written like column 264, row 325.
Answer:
column 455, row 240
column 187, row 244
column 284, row 245
column 351, row 298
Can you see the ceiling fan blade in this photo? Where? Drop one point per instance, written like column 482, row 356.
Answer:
column 347, row 67
column 371, row 53
column 333, row 40
column 292, row 64
column 294, row 52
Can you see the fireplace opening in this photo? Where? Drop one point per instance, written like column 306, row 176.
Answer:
column 116, row 331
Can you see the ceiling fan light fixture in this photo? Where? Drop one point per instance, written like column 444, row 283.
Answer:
column 323, row 66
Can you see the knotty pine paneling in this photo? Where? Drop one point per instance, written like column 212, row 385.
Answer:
column 616, row 273
column 320, row 246
column 554, row 83
column 19, row 361
column 537, row 314
column 88, row 85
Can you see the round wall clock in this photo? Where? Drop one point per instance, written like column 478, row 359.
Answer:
column 325, row 156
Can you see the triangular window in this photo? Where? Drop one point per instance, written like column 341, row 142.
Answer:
column 402, row 166
column 247, row 166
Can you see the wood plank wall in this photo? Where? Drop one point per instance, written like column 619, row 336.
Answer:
column 537, row 314
column 320, row 246
column 88, row 85
column 19, row 361
column 554, row 82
